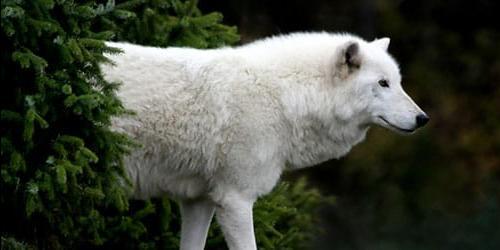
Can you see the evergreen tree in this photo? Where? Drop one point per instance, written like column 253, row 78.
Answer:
column 170, row 23
column 60, row 163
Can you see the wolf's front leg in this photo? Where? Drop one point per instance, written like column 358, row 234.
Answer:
column 195, row 217
column 234, row 215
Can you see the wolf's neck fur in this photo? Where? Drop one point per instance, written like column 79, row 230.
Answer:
column 323, row 124
column 316, row 138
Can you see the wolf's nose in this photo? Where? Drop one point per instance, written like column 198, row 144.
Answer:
column 422, row 120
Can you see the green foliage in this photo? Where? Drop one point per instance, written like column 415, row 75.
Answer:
column 284, row 219
column 287, row 218
column 60, row 161
column 9, row 243
column 63, row 184
column 170, row 23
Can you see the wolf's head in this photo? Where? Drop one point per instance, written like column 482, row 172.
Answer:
column 368, row 78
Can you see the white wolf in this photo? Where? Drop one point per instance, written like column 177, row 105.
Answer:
column 219, row 126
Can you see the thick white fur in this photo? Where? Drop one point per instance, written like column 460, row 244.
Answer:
column 219, row 127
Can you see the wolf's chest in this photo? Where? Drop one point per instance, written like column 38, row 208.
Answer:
column 311, row 145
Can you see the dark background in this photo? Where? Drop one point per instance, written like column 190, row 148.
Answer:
column 439, row 188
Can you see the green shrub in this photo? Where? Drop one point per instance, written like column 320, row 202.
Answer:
column 60, row 161
column 170, row 23
column 9, row 243
column 284, row 219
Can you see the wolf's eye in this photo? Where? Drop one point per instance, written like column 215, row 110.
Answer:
column 383, row 83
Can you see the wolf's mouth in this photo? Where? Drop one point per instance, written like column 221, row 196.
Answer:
column 396, row 127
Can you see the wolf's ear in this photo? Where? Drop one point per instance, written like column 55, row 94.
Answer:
column 351, row 55
column 383, row 43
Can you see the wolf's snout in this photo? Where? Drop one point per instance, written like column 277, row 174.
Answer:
column 422, row 119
